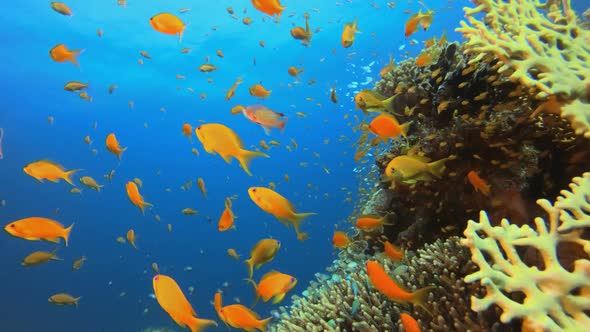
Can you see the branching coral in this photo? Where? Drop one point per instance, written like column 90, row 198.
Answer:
column 556, row 299
column 346, row 302
column 541, row 45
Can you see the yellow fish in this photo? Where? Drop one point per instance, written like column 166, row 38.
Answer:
column 217, row 138
column 172, row 300
column 168, row 24
column 49, row 170
column 135, row 197
column 350, row 29
column 272, row 202
column 411, row 169
column 263, row 252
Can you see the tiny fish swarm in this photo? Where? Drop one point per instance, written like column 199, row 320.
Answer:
column 483, row 121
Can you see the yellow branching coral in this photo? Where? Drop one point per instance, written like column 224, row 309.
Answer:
column 541, row 46
column 555, row 298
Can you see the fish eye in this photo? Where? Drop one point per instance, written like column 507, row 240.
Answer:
column 12, row 225
column 292, row 279
column 199, row 128
column 156, row 278
column 254, row 190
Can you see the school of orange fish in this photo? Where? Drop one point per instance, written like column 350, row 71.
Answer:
column 221, row 140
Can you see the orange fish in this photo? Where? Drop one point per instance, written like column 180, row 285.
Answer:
column 232, row 91
column 302, row 34
column 273, row 284
column 38, row 228
column 240, row 317
column 348, row 34
column 131, row 237
column 370, row 223
column 217, row 138
column 226, row 221
column 259, row 91
column 269, row 7
column 412, row 24
column 60, row 53
column 426, row 20
column 340, row 240
column 172, row 300
column 113, row 145
column 61, row 8
column 169, row 24
column 479, row 184
column 265, row 117
column 410, row 324
column 263, row 252
column 393, row 252
column 217, row 304
column 424, row 59
column 386, row 126
column 187, row 130
column 293, row 71
column 388, row 287
column 135, row 197
column 49, row 170
column 272, row 202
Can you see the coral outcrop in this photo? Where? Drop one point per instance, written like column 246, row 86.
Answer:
column 345, row 301
column 511, row 105
column 555, row 298
column 541, row 45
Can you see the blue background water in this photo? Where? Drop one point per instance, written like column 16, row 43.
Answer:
column 32, row 89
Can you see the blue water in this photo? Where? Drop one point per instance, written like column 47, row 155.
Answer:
column 32, row 90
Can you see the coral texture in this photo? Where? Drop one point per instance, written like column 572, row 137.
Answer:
column 556, row 299
column 541, row 45
column 345, row 301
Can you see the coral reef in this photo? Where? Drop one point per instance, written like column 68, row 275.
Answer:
column 541, row 45
column 511, row 105
column 345, row 301
column 483, row 121
column 555, row 298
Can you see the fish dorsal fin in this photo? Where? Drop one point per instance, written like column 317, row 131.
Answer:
column 53, row 163
column 419, row 158
column 370, row 216
column 269, row 274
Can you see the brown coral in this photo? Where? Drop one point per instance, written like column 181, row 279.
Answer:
column 327, row 305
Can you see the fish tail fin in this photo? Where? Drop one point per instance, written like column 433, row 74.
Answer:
column 246, row 156
column 405, row 127
column 263, row 323
column 66, row 234
column 437, row 168
column 68, row 174
column 143, row 205
column 74, row 57
column 54, row 255
column 388, row 103
column 76, row 300
column 420, row 298
column 299, row 217
column 253, row 283
column 282, row 125
column 198, row 324
column 120, row 153
column 250, row 268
